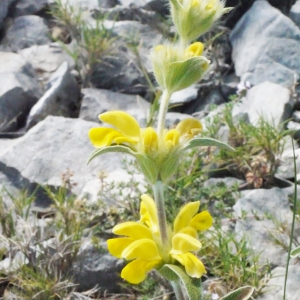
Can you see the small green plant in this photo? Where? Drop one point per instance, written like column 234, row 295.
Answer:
column 258, row 148
column 92, row 41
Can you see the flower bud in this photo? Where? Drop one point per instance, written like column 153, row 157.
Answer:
column 176, row 68
column 192, row 18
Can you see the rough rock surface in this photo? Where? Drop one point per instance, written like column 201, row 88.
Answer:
column 19, row 91
column 25, row 32
column 98, row 101
column 269, row 54
column 61, row 99
column 256, row 104
column 53, row 147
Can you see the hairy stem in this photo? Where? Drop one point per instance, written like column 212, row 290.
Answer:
column 158, row 190
column 164, row 103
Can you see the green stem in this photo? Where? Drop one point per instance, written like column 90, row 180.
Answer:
column 158, row 190
column 293, row 224
column 177, row 290
column 164, row 103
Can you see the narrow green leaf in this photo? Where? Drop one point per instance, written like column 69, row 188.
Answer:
column 242, row 293
column 196, row 142
column 192, row 285
column 117, row 148
column 295, row 253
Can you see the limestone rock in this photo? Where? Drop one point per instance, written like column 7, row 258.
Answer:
column 19, row 91
column 25, row 32
column 61, row 99
column 266, row 46
column 98, row 101
column 256, row 104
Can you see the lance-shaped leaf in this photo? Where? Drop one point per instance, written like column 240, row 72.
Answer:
column 193, row 286
column 117, row 148
column 199, row 141
column 243, row 293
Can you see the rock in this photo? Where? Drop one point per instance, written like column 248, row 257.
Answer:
column 269, row 54
column 5, row 4
column 228, row 181
column 95, row 267
column 19, row 91
column 286, row 168
column 275, row 286
column 46, row 59
column 256, row 104
column 61, row 99
column 121, row 71
column 28, row 7
column 97, row 101
column 128, row 3
column 54, row 147
column 295, row 127
column 81, row 4
column 260, row 214
column 184, row 96
column 295, row 13
column 25, row 32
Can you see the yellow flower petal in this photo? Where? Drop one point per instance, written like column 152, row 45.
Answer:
column 189, row 127
column 202, row 221
column 193, row 265
column 182, row 243
column 148, row 213
column 150, row 140
column 136, row 271
column 190, row 231
column 185, row 215
column 133, row 230
column 123, row 139
column 116, row 246
column 172, row 137
column 102, row 137
column 124, row 122
column 195, row 49
column 144, row 249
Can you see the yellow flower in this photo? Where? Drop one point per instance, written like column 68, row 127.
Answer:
column 152, row 152
column 141, row 245
column 176, row 68
column 192, row 18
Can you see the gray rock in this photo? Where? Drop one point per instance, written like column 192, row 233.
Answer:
column 295, row 127
column 96, row 101
column 25, row 32
column 28, row 7
column 274, row 287
column 256, row 104
column 286, row 168
column 258, row 212
column 122, row 71
column 295, row 13
column 4, row 9
column 61, row 99
column 19, row 91
column 81, row 4
column 96, row 267
column 184, row 96
column 266, row 46
column 54, row 147
column 46, row 59
column 228, row 181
